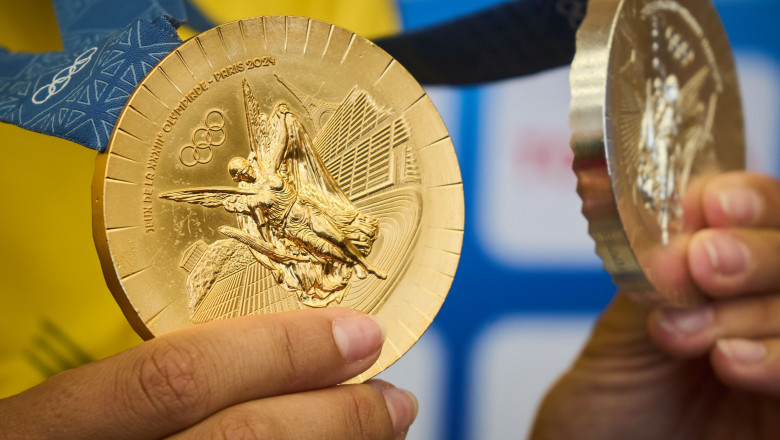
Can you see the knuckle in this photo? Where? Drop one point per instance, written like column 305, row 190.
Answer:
column 365, row 410
column 239, row 426
column 765, row 311
column 169, row 380
column 289, row 356
column 750, row 310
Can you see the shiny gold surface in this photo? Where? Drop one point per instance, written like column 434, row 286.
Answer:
column 655, row 106
column 278, row 163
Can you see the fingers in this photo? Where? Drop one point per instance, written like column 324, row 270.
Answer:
column 732, row 262
column 717, row 263
column 747, row 364
column 376, row 410
column 172, row 382
column 701, row 261
column 742, row 199
column 692, row 332
column 401, row 406
column 667, row 270
column 740, row 336
column 739, row 252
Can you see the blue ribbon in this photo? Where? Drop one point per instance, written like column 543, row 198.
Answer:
column 78, row 93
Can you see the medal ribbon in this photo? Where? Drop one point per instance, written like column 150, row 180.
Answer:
column 109, row 46
column 514, row 38
column 78, row 93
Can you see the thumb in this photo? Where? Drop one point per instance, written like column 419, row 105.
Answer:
column 588, row 401
column 619, row 338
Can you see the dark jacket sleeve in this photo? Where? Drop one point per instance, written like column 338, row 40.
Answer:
column 511, row 39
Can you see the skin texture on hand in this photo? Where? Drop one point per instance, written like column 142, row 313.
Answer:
column 255, row 377
column 710, row 372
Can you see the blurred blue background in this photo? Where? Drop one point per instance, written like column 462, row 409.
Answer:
column 529, row 284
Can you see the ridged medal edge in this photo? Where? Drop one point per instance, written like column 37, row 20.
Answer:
column 590, row 143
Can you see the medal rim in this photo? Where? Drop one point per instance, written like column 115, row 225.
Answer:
column 100, row 233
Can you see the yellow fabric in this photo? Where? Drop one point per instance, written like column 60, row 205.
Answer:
column 369, row 18
column 15, row 22
column 56, row 310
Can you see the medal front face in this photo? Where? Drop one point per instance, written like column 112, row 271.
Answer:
column 273, row 164
column 655, row 95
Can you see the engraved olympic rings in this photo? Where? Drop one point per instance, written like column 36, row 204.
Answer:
column 62, row 78
column 204, row 138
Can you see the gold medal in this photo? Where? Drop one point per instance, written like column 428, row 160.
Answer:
column 279, row 163
column 655, row 106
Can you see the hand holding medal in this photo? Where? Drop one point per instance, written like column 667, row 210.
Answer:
column 655, row 113
column 287, row 219
column 692, row 247
column 276, row 164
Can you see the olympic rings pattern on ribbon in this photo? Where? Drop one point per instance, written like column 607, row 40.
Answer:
column 62, row 78
column 204, row 138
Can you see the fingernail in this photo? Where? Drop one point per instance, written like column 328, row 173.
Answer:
column 358, row 337
column 687, row 321
column 401, row 404
column 728, row 256
column 742, row 350
column 742, row 206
